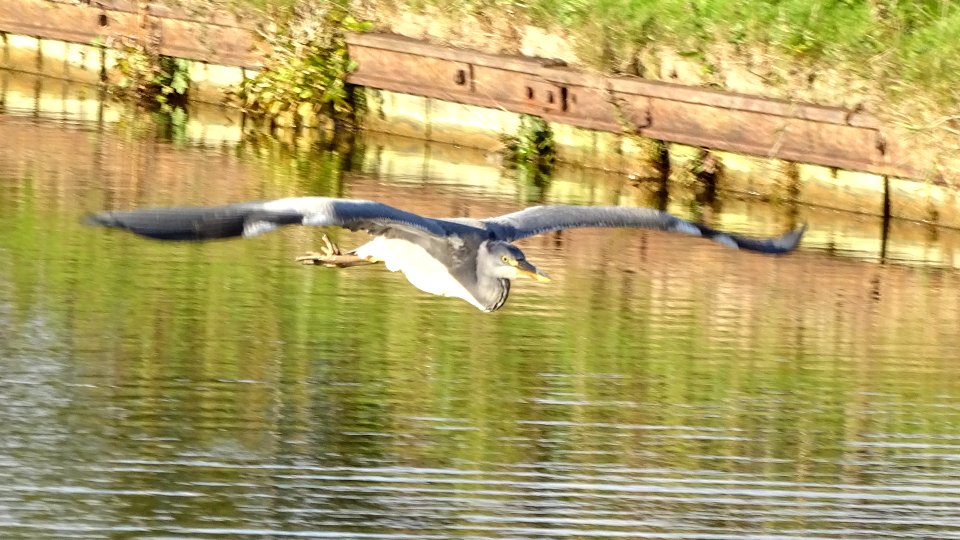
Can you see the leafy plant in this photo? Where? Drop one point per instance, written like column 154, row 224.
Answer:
column 162, row 82
column 305, row 71
column 172, row 124
column 532, row 146
column 532, row 152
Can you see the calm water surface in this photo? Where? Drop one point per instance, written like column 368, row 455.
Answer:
column 661, row 387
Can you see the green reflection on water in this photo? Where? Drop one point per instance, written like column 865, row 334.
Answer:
column 695, row 362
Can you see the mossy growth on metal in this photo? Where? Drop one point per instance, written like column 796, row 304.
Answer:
column 304, row 74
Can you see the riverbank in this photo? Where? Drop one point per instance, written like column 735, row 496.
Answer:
column 895, row 58
column 902, row 50
column 897, row 61
column 760, row 55
column 900, row 63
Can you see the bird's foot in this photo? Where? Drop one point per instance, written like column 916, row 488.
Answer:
column 331, row 257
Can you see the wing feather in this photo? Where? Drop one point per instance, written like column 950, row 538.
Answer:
column 253, row 218
column 541, row 219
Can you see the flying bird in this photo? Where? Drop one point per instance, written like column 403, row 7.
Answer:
column 471, row 259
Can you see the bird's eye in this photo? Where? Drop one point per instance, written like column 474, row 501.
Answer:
column 505, row 259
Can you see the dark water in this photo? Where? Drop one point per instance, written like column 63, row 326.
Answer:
column 661, row 387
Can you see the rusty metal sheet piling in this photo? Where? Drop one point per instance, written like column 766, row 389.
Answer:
column 220, row 41
column 753, row 125
column 764, row 127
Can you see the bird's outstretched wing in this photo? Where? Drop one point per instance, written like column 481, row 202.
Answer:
column 541, row 219
column 253, row 218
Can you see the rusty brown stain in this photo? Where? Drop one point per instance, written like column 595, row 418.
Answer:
column 830, row 136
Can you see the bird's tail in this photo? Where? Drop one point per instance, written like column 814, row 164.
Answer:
column 194, row 223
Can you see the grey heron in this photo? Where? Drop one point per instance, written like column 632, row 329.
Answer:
column 471, row 259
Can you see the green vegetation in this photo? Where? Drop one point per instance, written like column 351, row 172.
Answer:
column 532, row 152
column 304, row 74
column 901, row 57
column 158, row 81
column 532, row 146
column 904, row 45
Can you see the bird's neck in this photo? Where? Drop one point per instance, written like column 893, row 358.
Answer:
column 493, row 292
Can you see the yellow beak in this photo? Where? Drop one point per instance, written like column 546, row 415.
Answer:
column 530, row 271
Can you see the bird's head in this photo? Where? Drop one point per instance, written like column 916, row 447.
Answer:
column 506, row 261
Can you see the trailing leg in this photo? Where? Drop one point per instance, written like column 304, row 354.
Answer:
column 331, row 257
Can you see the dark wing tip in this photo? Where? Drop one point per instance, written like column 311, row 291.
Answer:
column 788, row 242
column 197, row 223
column 101, row 219
column 791, row 240
column 780, row 244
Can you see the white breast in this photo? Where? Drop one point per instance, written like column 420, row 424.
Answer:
column 419, row 267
